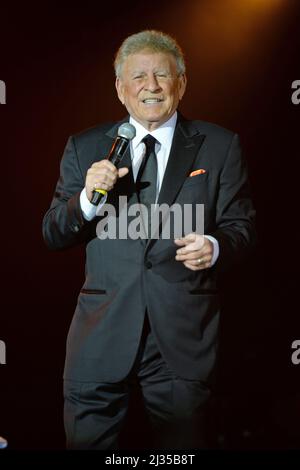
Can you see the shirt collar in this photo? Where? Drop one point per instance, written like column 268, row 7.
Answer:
column 163, row 134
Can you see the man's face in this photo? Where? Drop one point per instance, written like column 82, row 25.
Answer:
column 150, row 88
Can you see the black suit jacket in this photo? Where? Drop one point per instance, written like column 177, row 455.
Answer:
column 126, row 277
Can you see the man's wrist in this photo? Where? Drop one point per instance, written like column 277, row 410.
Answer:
column 88, row 209
column 216, row 249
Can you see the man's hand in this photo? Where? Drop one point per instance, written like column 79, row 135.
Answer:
column 102, row 175
column 195, row 251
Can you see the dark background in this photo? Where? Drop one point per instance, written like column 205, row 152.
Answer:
column 242, row 57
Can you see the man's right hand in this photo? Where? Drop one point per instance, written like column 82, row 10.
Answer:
column 102, row 175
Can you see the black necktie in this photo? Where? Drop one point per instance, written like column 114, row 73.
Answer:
column 147, row 176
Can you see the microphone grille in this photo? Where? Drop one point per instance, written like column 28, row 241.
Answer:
column 127, row 131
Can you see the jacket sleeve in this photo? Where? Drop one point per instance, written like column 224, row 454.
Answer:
column 63, row 223
column 235, row 214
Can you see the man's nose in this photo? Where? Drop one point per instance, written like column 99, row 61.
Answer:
column 152, row 83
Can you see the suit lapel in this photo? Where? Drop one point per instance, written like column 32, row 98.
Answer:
column 182, row 156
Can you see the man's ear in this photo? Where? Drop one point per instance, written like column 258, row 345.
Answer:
column 119, row 88
column 182, row 85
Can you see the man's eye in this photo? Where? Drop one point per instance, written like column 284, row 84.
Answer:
column 137, row 77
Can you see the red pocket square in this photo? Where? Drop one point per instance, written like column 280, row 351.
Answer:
column 197, row 172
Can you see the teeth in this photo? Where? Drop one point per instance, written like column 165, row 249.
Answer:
column 152, row 100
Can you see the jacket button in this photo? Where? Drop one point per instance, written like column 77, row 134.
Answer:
column 148, row 264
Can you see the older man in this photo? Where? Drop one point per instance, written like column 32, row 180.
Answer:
column 148, row 311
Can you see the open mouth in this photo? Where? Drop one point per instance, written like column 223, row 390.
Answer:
column 152, row 100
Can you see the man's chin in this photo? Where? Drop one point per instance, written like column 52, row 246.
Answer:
column 151, row 122
column 158, row 120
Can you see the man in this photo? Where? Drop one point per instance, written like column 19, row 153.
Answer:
column 148, row 311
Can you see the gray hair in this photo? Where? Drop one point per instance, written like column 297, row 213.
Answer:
column 155, row 41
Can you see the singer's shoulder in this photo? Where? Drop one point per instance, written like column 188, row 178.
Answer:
column 206, row 127
column 94, row 132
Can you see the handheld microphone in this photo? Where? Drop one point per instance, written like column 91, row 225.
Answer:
column 126, row 132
